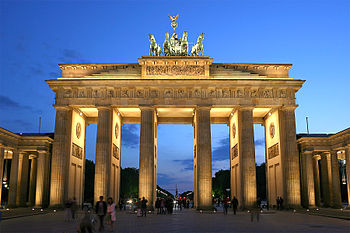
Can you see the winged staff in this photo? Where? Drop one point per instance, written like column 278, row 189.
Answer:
column 175, row 46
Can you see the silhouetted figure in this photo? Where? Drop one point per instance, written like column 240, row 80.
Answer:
column 111, row 213
column 74, row 207
column 157, row 205
column 258, row 203
column 225, row 206
column 144, row 206
column 68, row 211
column 281, row 203
column 85, row 225
column 101, row 210
column 278, row 202
column 234, row 205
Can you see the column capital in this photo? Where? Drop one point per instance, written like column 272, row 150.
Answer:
column 288, row 107
column 203, row 107
column 316, row 156
column 103, row 107
column 245, row 107
column 61, row 108
column 147, row 107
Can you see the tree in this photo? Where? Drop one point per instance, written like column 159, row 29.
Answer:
column 89, row 181
column 129, row 183
column 261, row 181
column 221, row 182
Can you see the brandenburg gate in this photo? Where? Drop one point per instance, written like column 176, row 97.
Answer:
column 176, row 90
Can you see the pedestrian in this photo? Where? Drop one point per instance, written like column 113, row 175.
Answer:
column 101, row 210
column 258, row 202
column 74, row 207
column 278, row 202
column 138, row 207
column 144, row 206
column 121, row 203
column 68, row 211
column 225, row 206
column 162, row 206
column 85, row 225
column 281, row 203
column 234, row 205
column 111, row 213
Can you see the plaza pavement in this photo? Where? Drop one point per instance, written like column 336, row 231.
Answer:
column 186, row 221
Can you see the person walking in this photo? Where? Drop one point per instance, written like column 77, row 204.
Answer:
column 68, row 211
column 111, row 213
column 225, row 206
column 101, row 210
column 74, row 207
column 144, row 206
column 234, row 205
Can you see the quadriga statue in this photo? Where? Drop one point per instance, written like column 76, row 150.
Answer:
column 198, row 47
column 154, row 47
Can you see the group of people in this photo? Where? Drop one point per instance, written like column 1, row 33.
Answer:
column 70, row 209
column 234, row 204
column 279, row 202
column 141, row 206
column 164, row 206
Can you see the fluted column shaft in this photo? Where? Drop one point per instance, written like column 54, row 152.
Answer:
column 13, row 179
column 335, row 180
column 327, row 193
column 204, row 167
column 347, row 158
column 103, row 153
column 147, row 182
column 60, row 157
column 2, row 156
column 32, row 182
column 308, row 194
column 316, row 181
column 42, row 176
column 290, row 157
column 22, row 189
column 247, row 157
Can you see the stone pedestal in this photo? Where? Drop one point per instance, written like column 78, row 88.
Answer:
column 327, row 193
column 203, row 160
column 60, row 156
column 103, row 153
column 335, row 180
column 289, row 157
column 32, row 182
column 147, row 172
column 316, row 180
column 308, row 194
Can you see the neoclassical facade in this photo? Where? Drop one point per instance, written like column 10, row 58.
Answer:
column 176, row 90
column 319, row 155
column 25, row 161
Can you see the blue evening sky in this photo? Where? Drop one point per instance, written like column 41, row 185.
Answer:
column 314, row 36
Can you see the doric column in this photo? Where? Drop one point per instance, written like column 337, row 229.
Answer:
column 247, row 156
column 60, row 156
column 204, row 167
column 103, row 152
column 316, row 179
column 327, row 193
column 335, row 180
column 2, row 155
column 290, row 156
column 42, row 188
column 32, row 182
column 308, row 192
column 22, row 188
column 13, row 179
column 347, row 158
column 147, row 174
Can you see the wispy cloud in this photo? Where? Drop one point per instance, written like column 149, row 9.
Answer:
column 7, row 103
column 130, row 136
column 186, row 164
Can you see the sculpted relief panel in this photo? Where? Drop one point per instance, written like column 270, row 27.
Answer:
column 190, row 70
column 125, row 92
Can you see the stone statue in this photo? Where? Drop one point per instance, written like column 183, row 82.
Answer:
column 184, row 44
column 198, row 47
column 166, row 45
column 154, row 47
column 175, row 45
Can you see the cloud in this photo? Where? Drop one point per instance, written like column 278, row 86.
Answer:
column 130, row 136
column 260, row 142
column 7, row 103
column 71, row 56
column 222, row 150
column 187, row 164
column 36, row 70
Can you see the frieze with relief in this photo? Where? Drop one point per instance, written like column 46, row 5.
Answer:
column 77, row 151
column 273, row 151
column 187, row 70
column 177, row 93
